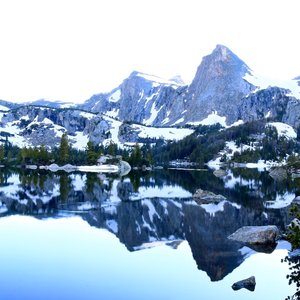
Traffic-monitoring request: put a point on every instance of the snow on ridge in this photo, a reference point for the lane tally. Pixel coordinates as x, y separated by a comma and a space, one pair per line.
262, 82
159, 80
284, 129
115, 96
211, 119
87, 115
167, 133
4, 108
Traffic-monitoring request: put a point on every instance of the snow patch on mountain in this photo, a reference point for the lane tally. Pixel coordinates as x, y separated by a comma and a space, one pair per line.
284, 130
262, 82
153, 114
4, 108
166, 133
16, 138
87, 115
156, 81
115, 97
113, 113
79, 141
211, 119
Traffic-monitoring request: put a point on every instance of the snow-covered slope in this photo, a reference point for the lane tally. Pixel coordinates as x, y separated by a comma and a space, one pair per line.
262, 82
284, 130
36, 126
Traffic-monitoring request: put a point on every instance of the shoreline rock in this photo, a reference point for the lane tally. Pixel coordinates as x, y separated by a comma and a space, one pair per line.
256, 235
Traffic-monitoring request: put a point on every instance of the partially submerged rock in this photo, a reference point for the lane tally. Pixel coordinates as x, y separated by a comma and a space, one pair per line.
248, 284
203, 197
256, 235
278, 174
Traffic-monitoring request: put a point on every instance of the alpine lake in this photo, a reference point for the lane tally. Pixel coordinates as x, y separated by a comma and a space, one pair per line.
141, 236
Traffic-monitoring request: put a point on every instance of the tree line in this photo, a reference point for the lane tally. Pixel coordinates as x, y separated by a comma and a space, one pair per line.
66, 154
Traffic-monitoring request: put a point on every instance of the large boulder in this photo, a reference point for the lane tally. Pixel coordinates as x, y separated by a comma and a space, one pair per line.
203, 197
256, 235
248, 284
278, 174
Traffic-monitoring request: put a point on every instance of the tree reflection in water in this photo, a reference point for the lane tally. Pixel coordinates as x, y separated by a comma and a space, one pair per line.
293, 259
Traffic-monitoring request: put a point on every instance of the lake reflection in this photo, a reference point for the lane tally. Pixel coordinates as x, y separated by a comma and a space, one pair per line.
86, 220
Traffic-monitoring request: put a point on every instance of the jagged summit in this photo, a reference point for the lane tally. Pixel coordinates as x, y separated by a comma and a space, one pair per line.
218, 86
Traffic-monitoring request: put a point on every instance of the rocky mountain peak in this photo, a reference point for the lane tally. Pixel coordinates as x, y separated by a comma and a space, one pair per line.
218, 85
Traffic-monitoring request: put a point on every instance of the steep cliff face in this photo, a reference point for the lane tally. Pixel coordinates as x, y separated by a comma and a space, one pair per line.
140, 98
218, 86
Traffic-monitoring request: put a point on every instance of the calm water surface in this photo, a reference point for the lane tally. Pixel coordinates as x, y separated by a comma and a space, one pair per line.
93, 236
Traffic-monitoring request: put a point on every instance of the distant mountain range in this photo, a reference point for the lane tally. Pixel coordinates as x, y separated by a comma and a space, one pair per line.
225, 90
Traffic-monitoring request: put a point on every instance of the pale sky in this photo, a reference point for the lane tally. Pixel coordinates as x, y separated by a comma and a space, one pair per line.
70, 50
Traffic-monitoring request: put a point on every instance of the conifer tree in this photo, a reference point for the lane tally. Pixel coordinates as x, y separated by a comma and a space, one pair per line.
64, 149
91, 153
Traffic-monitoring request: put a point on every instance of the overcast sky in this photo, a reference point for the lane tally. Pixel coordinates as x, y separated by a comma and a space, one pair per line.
70, 50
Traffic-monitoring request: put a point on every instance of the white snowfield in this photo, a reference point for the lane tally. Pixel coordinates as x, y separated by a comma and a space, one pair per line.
262, 82
212, 119
4, 108
158, 81
166, 133
80, 139
284, 130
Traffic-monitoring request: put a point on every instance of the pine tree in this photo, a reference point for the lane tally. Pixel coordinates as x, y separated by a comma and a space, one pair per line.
2, 153
91, 153
64, 149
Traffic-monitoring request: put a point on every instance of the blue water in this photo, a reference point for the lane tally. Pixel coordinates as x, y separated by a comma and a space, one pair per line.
68, 259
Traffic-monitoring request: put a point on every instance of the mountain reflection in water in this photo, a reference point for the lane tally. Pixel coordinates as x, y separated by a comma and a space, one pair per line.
145, 210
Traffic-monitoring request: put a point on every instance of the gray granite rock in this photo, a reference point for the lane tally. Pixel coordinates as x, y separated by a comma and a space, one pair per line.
256, 235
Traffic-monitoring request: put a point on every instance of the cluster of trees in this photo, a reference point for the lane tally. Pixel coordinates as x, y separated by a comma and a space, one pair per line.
207, 141
13, 155
271, 147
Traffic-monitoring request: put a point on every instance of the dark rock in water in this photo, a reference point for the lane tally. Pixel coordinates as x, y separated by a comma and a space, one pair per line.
203, 197
278, 174
256, 235
248, 284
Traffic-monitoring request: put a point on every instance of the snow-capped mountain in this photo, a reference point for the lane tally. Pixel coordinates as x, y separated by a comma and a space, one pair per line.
142, 98
220, 91
225, 90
